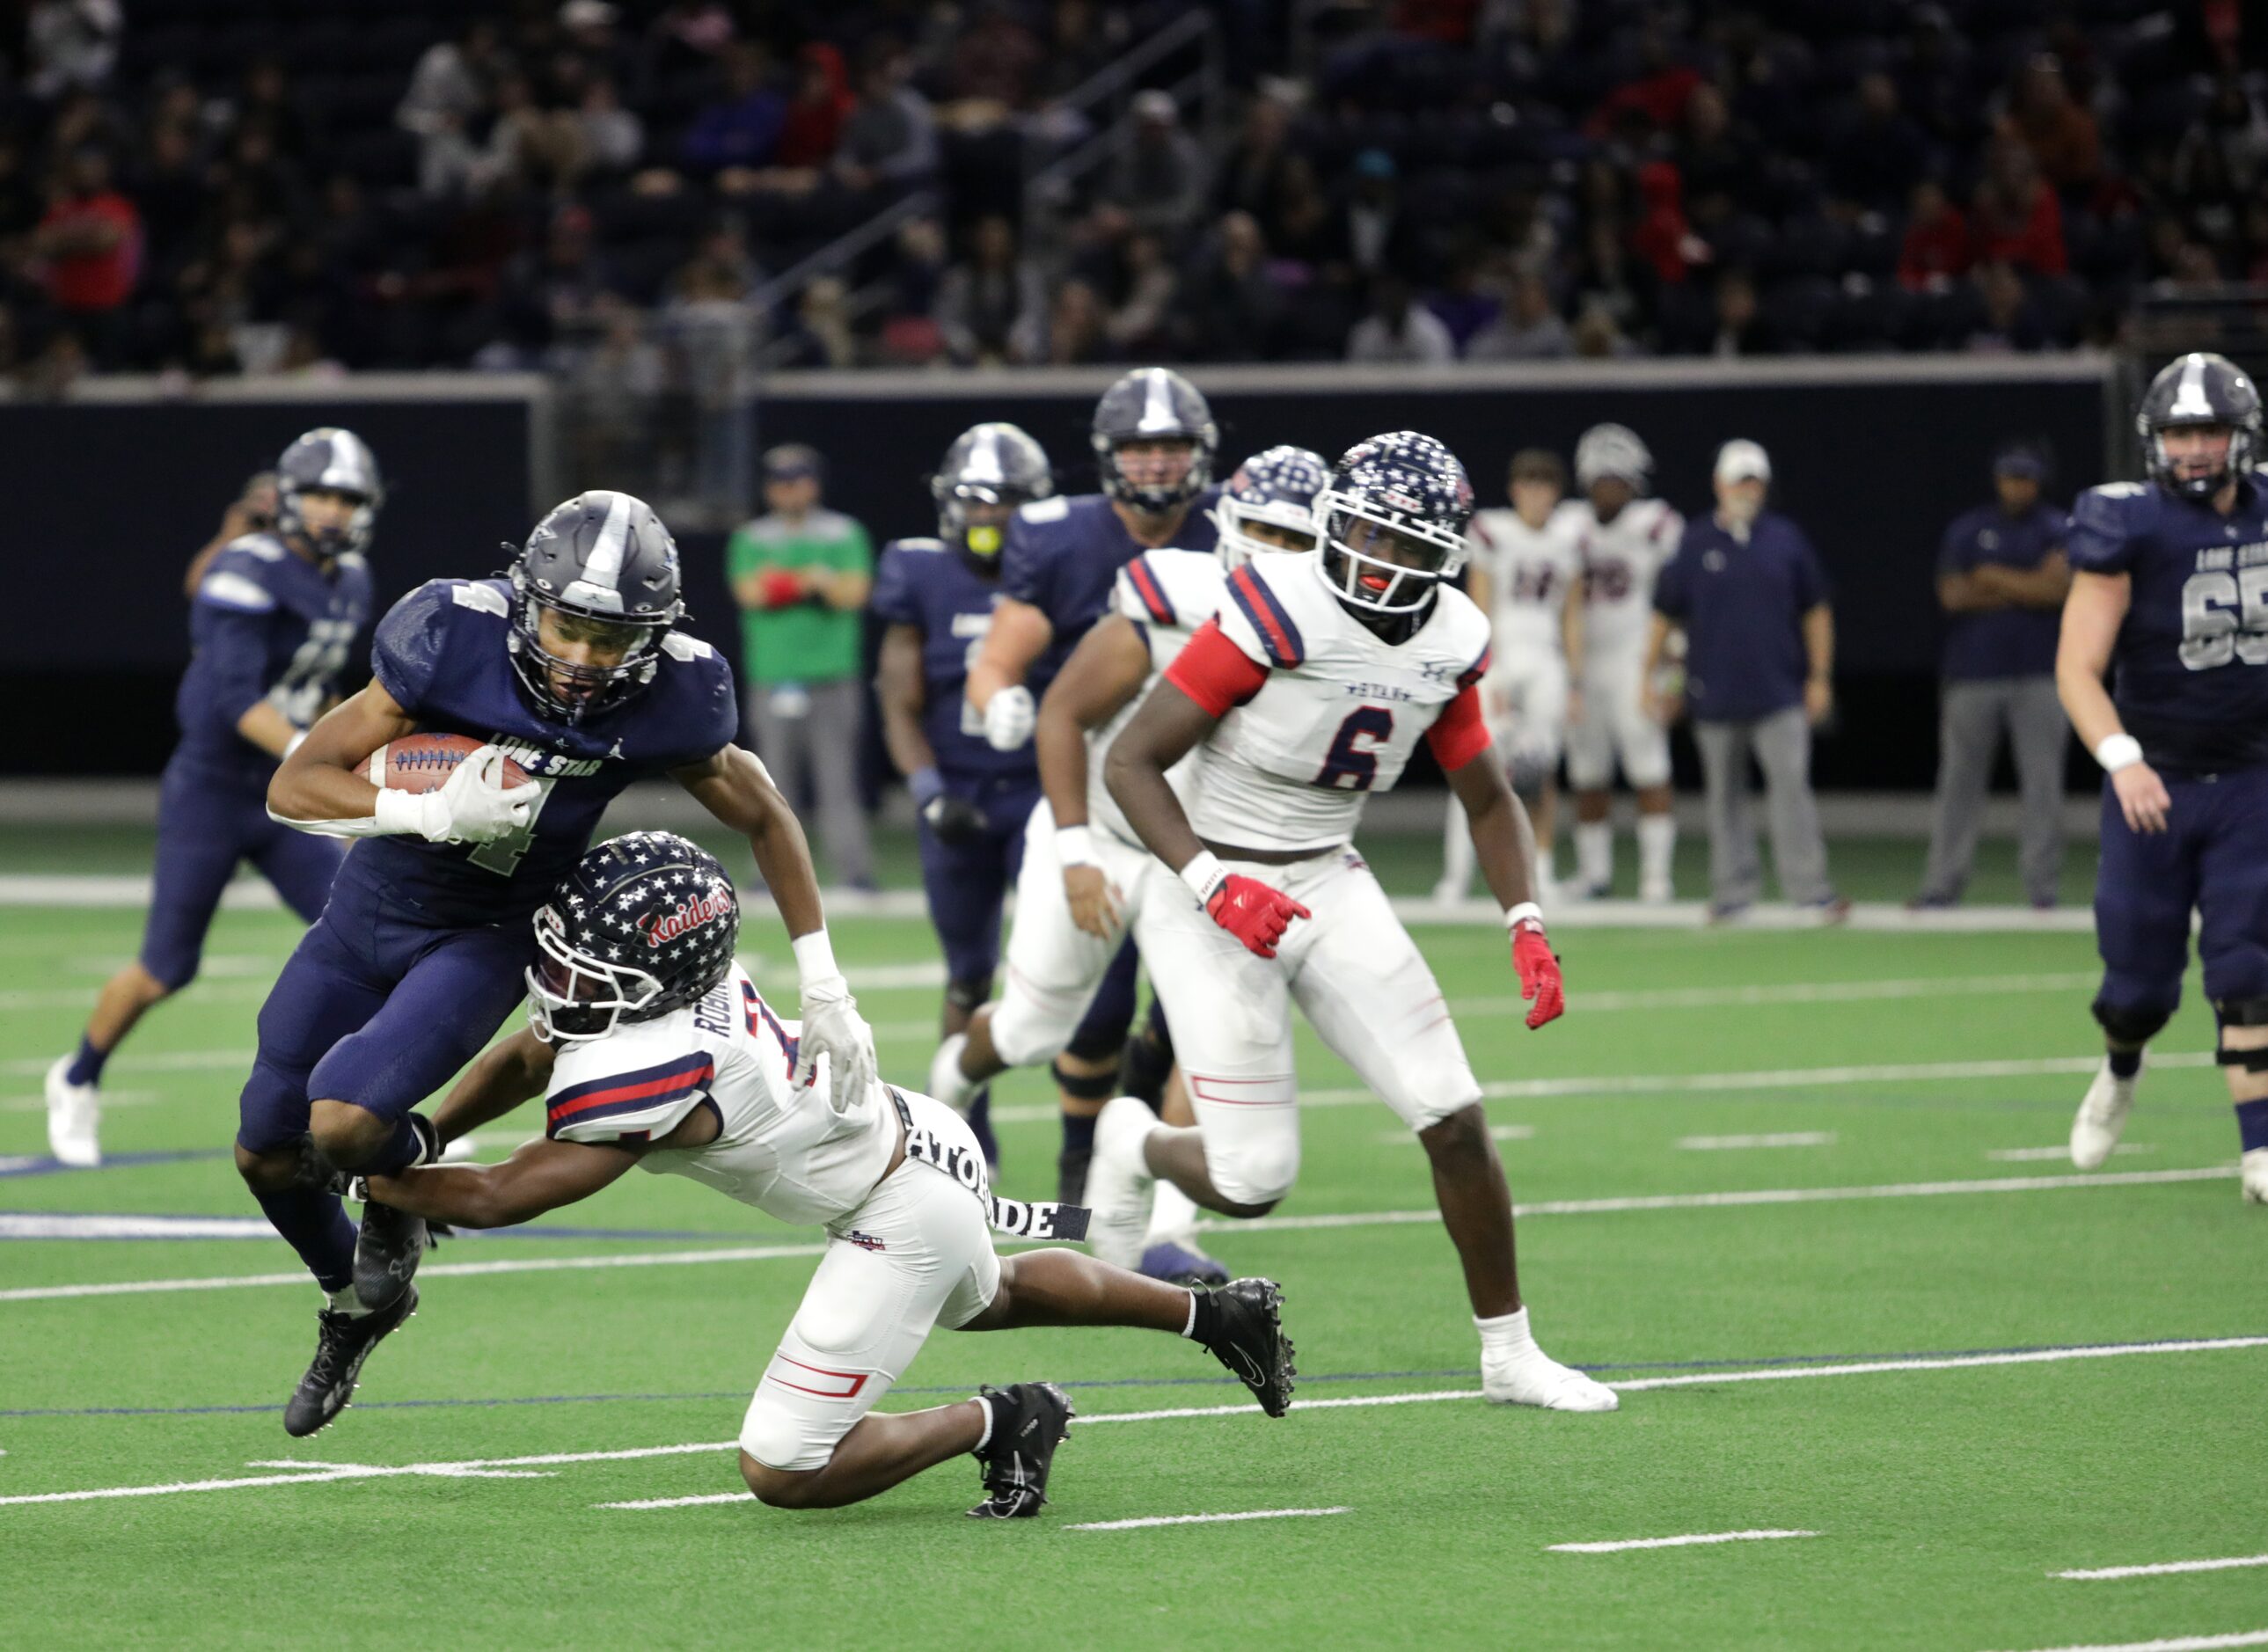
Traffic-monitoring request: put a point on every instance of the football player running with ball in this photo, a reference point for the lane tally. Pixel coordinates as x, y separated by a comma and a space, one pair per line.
572, 669
1310, 689
2169, 588
653, 1048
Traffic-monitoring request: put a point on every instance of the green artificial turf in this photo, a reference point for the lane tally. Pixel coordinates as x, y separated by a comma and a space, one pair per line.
1943, 1498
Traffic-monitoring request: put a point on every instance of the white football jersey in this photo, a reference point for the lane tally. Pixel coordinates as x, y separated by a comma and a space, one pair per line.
1620, 560
781, 1149
1530, 571
1167, 594
1339, 714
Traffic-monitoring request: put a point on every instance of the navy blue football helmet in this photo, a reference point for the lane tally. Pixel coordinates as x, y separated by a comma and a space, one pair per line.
643, 925
1394, 523
2199, 388
605, 564
1276, 488
1154, 404
327, 459
987, 465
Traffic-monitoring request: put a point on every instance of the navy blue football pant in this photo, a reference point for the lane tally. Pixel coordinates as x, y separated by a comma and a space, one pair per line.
967, 882
2212, 859
207, 823
378, 1007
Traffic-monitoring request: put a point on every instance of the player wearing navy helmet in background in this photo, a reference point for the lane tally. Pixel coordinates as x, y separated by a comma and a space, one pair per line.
2169, 593
274, 616
573, 668
1154, 441
970, 800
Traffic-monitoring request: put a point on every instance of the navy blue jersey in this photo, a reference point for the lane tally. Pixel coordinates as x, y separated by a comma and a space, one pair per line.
921, 583
440, 653
1997, 642
1062, 555
266, 624
2190, 671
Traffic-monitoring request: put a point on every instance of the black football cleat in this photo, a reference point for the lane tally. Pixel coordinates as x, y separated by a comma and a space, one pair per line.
344, 1342
1249, 1338
387, 1250
1016, 1458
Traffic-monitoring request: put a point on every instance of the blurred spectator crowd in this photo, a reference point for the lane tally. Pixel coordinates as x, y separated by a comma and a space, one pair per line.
603, 190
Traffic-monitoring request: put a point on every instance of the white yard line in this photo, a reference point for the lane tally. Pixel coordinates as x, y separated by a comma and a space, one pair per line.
1672, 1083
472, 1467
2177, 1644
1204, 1520
1780, 1138
2166, 1568
1688, 1540
2059, 1154
683, 1503
1275, 1224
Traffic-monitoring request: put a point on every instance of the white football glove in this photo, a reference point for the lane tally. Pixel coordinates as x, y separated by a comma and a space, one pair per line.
475, 805
1009, 718
833, 1027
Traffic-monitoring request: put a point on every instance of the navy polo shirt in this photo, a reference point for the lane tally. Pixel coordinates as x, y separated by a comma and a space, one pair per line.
2001, 642
1742, 604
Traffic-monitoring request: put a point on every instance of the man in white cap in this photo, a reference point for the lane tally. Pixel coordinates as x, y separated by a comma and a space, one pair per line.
1747, 589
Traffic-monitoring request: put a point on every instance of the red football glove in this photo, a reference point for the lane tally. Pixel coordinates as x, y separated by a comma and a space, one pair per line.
1539, 973
781, 589
1253, 913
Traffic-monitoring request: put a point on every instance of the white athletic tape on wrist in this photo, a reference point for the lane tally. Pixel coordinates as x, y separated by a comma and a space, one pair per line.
814, 963
1525, 912
2116, 751
1205, 875
1074, 846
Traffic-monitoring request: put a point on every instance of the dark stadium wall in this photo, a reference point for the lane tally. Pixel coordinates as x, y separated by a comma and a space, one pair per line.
1873, 462
119, 496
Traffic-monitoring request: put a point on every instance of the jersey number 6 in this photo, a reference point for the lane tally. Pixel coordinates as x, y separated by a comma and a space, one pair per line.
1352, 764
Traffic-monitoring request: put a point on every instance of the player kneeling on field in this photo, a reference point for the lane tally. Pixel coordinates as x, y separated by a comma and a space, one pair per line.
653, 1048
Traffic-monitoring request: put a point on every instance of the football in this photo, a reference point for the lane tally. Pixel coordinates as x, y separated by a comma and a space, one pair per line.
424, 762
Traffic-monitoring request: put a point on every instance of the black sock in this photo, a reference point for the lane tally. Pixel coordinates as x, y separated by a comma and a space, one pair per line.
2125, 1063
2252, 1124
1002, 1410
86, 1066
1205, 1323
1079, 1132
315, 1225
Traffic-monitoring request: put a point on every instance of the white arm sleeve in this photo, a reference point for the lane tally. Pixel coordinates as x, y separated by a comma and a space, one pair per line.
399, 814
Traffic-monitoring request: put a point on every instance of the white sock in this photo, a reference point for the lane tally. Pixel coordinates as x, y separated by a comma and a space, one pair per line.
1657, 841
1594, 852
1505, 1334
1457, 851
1173, 1215
344, 1301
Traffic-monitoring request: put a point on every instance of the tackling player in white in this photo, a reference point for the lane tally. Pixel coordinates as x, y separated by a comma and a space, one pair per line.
1310, 689
1084, 869
655, 1049
1527, 577
1625, 539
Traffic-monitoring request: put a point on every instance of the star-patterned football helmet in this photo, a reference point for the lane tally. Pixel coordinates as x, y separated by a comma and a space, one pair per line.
1274, 490
643, 925
1394, 523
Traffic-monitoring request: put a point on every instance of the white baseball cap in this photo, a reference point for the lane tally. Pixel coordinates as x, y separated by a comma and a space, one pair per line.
1741, 459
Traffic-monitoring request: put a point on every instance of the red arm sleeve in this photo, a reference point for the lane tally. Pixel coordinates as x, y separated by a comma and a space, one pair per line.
1460, 734
1215, 672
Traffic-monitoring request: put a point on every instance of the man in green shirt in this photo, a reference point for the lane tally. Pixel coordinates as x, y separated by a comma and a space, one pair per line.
801, 574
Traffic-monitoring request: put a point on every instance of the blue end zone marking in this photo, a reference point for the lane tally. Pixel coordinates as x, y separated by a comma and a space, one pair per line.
1135, 1381
43, 1165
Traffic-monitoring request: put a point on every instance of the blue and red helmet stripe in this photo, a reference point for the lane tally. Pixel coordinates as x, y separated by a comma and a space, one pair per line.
1277, 634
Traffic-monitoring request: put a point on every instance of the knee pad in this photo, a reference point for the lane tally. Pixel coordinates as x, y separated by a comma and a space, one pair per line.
2242, 1012
1255, 1172
1084, 1086
2130, 1024
773, 1435
1097, 1044
968, 995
